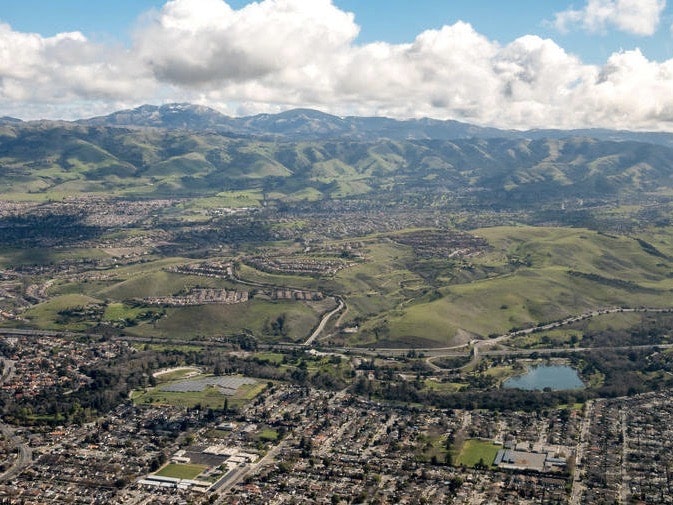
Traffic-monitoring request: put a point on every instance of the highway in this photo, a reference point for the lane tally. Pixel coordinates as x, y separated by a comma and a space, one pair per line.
478, 347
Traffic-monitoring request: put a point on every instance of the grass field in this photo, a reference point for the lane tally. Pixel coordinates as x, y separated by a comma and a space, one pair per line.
158, 283
474, 450
248, 273
178, 374
168, 347
255, 316
443, 387
44, 256
117, 311
47, 315
273, 357
228, 199
181, 471
268, 434
501, 373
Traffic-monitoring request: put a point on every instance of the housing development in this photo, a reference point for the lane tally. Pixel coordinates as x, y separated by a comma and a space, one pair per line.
293, 442
194, 315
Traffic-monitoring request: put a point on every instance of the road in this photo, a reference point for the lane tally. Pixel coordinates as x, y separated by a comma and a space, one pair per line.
24, 457
227, 482
24, 453
577, 486
316, 333
478, 347
623, 482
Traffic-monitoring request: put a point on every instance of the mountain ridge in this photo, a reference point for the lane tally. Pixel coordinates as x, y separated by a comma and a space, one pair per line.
309, 124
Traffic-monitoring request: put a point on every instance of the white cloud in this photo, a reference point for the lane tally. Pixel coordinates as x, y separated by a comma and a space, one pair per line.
277, 54
198, 42
638, 17
64, 68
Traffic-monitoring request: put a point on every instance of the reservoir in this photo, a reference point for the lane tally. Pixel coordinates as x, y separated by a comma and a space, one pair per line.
555, 377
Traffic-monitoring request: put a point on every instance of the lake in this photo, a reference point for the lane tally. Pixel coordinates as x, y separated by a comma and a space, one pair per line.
555, 377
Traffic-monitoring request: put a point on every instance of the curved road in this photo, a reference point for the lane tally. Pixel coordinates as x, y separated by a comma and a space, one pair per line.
480, 345
323, 322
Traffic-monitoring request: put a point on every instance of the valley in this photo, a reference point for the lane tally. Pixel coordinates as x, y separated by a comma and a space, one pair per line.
215, 291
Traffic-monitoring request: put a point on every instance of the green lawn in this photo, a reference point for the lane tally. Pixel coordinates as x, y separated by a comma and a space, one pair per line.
208, 398
180, 471
475, 450
443, 387
268, 435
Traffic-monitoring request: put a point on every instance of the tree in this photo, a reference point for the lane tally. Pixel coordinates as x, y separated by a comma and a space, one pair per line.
454, 484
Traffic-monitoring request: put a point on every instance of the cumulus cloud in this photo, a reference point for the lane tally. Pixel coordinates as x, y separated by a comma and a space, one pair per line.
63, 68
197, 42
638, 17
277, 54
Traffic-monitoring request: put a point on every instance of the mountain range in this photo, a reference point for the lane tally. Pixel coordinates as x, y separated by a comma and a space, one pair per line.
307, 124
305, 155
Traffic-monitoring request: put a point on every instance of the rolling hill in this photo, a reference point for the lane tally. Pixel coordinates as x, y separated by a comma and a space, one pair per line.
66, 158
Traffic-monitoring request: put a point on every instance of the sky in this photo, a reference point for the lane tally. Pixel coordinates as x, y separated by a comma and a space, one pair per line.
516, 64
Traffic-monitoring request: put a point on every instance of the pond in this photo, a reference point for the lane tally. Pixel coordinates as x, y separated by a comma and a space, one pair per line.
554, 377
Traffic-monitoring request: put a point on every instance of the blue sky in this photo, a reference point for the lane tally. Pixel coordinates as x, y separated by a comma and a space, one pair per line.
395, 21
524, 63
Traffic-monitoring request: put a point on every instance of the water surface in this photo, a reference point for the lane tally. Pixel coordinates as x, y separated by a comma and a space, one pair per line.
555, 377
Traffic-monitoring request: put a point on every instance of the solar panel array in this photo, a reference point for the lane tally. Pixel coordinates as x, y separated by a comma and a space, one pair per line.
227, 385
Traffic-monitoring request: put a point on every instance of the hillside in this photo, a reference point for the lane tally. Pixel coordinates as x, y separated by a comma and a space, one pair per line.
65, 159
425, 237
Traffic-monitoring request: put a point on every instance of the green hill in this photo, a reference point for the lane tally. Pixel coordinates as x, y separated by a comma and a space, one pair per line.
64, 158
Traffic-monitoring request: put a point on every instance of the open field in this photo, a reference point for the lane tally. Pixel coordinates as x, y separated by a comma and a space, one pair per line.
40, 256
474, 451
256, 316
181, 471
273, 357
250, 274
54, 313
159, 283
117, 311
176, 373
268, 435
